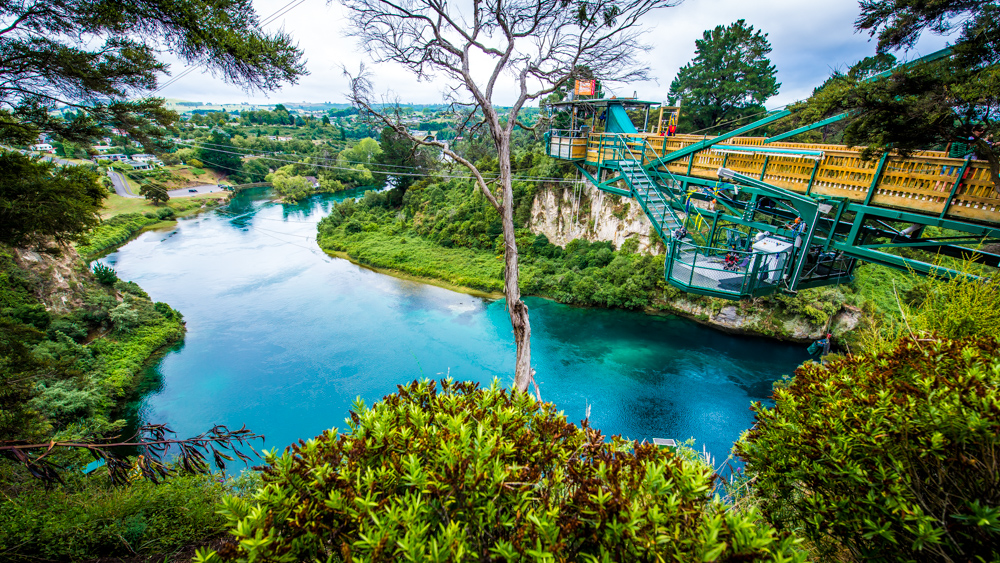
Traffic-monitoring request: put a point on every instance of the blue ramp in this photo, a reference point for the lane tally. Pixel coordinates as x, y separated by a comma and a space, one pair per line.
619, 121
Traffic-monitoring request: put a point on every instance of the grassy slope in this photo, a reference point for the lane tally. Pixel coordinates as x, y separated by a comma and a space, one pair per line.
465, 267
116, 205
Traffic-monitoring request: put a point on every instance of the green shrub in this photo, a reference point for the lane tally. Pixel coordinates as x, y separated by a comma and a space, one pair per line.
113, 232
67, 327
105, 274
891, 456
94, 520
132, 288
353, 226
470, 474
124, 318
165, 310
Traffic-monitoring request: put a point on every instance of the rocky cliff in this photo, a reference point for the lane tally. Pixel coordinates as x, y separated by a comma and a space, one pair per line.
57, 276
583, 211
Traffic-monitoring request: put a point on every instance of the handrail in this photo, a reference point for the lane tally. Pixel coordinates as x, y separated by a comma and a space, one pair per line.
666, 207
926, 182
695, 266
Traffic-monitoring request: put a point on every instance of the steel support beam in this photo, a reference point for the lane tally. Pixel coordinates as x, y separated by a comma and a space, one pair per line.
954, 189
896, 215
702, 145
898, 262
876, 177
809, 127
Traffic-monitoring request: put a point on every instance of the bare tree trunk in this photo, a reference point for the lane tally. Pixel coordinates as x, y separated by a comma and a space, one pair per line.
523, 374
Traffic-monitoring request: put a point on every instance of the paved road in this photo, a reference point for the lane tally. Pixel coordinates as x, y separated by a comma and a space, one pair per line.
120, 184
195, 190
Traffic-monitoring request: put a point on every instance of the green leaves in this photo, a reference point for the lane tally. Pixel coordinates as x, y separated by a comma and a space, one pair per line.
462, 473
890, 456
39, 201
730, 77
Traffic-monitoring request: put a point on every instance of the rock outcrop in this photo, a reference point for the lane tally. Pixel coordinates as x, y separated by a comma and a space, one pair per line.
582, 211
57, 276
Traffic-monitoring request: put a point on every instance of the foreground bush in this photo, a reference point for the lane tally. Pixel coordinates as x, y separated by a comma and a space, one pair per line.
470, 474
91, 519
892, 457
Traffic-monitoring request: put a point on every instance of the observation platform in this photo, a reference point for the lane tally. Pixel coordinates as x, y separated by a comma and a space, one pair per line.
824, 205
926, 182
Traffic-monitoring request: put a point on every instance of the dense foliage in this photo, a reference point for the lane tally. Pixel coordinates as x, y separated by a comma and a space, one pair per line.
890, 456
470, 474
729, 78
87, 518
445, 230
115, 231
94, 56
39, 201
63, 373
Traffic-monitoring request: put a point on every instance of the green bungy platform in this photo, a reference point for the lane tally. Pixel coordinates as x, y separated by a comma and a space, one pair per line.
745, 240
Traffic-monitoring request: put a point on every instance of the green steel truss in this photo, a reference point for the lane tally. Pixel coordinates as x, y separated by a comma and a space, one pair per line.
743, 237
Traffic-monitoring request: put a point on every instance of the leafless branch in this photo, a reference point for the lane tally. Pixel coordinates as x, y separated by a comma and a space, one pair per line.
153, 444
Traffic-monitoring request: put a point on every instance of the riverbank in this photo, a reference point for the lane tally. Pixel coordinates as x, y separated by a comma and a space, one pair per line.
442, 245
732, 317
415, 278
126, 218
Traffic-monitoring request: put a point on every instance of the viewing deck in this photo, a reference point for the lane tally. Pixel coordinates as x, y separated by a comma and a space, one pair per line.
928, 183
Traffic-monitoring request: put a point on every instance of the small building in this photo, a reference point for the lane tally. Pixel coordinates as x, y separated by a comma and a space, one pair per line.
43, 147
313, 181
102, 148
148, 158
136, 165
116, 157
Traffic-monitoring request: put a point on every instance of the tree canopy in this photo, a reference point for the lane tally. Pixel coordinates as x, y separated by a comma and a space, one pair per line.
730, 77
952, 101
99, 56
40, 201
219, 153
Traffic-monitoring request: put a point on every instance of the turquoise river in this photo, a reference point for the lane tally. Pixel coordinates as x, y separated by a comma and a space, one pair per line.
283, 338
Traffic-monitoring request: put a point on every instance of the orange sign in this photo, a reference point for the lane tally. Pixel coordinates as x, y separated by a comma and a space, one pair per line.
585, 87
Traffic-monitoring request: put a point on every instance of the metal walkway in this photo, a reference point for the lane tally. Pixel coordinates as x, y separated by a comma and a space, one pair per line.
789, 216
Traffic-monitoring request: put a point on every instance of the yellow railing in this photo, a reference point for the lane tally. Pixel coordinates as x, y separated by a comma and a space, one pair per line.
921, 182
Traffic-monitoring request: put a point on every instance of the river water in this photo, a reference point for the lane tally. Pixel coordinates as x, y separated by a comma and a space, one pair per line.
283, 338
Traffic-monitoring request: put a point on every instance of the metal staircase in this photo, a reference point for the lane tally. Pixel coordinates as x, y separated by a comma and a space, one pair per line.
658, 209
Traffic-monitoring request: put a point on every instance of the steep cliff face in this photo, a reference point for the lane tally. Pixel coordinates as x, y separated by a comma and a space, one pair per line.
58, 278
583, 211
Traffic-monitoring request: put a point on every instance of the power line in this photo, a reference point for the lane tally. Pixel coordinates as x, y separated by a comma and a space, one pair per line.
263, 153
414, 174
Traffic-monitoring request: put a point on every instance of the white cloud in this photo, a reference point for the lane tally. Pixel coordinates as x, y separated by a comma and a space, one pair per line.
810, 40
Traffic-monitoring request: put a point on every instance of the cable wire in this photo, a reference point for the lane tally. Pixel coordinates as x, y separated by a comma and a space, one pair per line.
414, 175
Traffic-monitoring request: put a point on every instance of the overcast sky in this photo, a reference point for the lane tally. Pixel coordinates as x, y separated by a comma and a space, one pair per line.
811, 38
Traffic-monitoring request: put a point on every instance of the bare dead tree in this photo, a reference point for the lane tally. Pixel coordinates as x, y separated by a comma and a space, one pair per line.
476, 44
